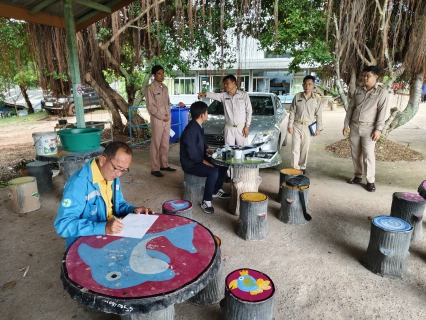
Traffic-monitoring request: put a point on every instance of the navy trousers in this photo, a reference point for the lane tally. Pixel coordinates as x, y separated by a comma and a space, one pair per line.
215, 177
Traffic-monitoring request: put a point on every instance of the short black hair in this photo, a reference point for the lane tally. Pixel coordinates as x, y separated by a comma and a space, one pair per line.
373, 69
156, 68
112, 148
197, 109
230, 77
309, 78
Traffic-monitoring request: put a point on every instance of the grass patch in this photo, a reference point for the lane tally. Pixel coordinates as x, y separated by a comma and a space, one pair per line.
23, 120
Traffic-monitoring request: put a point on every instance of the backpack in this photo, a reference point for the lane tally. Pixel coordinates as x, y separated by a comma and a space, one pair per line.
301, 181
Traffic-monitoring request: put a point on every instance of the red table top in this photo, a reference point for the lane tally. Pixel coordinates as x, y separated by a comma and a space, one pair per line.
173, 253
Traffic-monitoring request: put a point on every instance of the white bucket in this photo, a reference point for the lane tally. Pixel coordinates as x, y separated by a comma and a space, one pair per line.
45, 143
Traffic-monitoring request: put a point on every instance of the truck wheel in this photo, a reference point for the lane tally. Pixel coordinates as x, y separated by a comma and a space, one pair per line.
71, 110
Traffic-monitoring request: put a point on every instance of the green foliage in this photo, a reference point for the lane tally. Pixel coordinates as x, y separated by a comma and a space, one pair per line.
103, 33
301, 31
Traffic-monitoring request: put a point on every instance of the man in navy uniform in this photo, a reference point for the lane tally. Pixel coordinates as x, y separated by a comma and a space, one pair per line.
195, 160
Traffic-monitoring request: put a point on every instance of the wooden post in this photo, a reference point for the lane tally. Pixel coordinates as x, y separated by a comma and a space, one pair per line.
179, 207
43, 174
214, 291
242, 301
286, 174
422, 189
193, 188
291, 206
387, 250
24, 195
252, 224
409, 207
164, 314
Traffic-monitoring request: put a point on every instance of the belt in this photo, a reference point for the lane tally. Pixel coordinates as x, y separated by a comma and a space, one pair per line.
363, 123
236, 125
302, 122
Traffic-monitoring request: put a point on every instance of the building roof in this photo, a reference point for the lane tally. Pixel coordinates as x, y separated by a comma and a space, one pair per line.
51, 12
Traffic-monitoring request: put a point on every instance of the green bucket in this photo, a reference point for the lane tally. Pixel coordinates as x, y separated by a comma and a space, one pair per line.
81, 139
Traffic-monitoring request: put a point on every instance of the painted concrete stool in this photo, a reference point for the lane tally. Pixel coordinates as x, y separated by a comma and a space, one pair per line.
24, 194
286, 174
409, 207
249, 294
179, 207
292, 207
42, 172
387, 250
422, 189
193, 188
252, 224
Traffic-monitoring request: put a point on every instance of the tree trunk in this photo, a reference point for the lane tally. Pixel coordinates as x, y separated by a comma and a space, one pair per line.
286, 174
193, 188
116, 118
27, 99
291, 205
402, 117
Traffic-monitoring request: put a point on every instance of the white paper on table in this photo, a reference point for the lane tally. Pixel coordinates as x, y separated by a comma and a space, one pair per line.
172, 133
136, 225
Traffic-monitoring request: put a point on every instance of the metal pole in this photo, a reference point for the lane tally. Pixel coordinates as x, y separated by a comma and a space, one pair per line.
74, 64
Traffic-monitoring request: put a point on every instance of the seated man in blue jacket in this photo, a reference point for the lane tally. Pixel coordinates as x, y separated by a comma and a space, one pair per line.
194, 159
89, 205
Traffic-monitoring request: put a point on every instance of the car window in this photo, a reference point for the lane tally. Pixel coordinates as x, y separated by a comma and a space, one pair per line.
262, 106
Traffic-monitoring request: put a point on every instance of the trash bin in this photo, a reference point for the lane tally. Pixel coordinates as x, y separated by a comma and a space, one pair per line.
179, 116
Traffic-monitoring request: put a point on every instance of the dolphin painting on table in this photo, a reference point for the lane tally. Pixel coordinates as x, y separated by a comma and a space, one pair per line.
126, 262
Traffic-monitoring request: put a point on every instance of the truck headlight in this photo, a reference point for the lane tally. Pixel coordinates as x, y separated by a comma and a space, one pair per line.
264, 136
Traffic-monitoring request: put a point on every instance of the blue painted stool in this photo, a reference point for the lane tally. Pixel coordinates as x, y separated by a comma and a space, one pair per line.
387, 250
179, 207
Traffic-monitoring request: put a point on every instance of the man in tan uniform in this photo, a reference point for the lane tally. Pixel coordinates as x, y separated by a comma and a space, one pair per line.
158, 105
305, 109
365, 118
237, 109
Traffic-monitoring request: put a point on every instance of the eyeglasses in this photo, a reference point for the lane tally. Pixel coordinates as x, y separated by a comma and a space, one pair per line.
117, 170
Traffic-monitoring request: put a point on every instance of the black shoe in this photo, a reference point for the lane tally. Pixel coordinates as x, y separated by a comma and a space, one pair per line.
207, 207
228, 180
303, 171
168, 169
222, 195
355, 180
157, 174
371, 187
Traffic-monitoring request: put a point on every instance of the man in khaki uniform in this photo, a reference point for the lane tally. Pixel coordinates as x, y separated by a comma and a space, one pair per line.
365, 118
158, 105
237, 109
305, 109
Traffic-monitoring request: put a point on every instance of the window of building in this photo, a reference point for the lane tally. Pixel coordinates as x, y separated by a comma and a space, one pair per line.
183, 86
261, 84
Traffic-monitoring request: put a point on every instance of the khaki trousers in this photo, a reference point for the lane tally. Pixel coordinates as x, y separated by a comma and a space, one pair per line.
300, 146
362, 148
234, 136
160, 135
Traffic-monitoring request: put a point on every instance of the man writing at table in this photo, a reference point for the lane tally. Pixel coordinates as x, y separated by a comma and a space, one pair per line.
89, 204
194, 159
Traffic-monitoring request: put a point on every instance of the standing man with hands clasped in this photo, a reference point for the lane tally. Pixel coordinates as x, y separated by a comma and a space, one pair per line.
237, 109
89, 204
305, 109
158, 105
365, 118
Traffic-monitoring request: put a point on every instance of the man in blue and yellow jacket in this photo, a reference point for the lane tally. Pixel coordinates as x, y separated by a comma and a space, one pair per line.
89, 204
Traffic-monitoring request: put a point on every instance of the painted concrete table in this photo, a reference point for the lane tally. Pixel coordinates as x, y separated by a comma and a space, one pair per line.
244, 177
142, 278
70, 161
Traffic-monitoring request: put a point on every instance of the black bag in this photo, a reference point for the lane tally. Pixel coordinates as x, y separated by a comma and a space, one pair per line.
301, 181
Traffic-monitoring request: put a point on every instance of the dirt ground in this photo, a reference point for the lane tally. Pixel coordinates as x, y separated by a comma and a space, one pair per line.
316, 268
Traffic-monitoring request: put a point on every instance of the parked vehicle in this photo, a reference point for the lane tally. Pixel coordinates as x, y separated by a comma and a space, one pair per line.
269, 122
65, 105
286, 100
